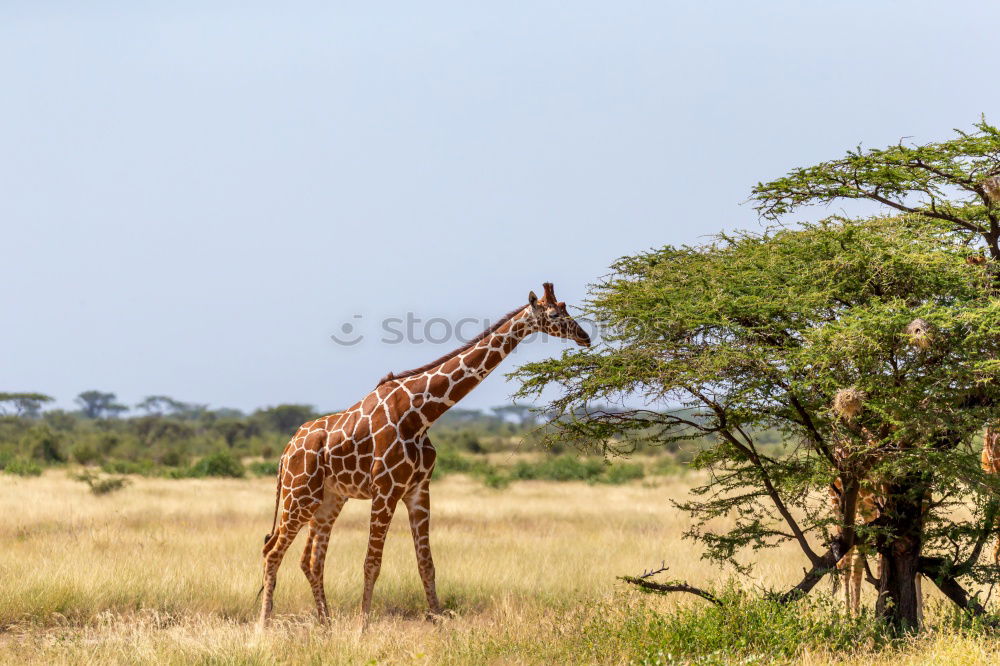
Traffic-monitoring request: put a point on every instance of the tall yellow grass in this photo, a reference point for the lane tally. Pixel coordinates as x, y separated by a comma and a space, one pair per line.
166, 571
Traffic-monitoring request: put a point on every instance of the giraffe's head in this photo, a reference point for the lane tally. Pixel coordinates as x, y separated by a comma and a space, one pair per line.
550, 316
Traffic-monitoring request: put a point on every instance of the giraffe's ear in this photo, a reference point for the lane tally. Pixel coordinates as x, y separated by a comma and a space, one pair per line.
532, 299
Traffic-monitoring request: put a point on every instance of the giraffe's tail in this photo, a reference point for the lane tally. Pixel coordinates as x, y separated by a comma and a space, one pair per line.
272, 536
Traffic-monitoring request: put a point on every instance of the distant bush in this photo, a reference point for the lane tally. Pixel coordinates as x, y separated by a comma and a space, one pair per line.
263, 467
494, 478
623, 472
220, 463
84, 453
43, 445
450, 461
102, 486
668, 466
560, 468
173, 439
170, 458
23, 467
142, 467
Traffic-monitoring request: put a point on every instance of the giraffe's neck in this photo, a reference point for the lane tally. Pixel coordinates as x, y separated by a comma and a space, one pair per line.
991, 450
451, 380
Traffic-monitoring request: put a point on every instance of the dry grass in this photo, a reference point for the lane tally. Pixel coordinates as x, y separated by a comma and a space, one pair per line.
166, 571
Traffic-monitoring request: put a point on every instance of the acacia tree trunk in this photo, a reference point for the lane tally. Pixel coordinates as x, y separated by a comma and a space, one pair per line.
902, 518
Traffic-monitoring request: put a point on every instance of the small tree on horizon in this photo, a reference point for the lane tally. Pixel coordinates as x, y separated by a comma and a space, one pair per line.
100, 405
27, 405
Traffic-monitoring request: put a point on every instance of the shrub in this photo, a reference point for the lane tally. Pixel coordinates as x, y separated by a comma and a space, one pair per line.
468, 441
43, 444
667, 466
264, 467
170, 458
104, 486
494, 478
220, 463
84, 453
23, 467
623, 472
450, 461
142, 468
560, 468
743, 630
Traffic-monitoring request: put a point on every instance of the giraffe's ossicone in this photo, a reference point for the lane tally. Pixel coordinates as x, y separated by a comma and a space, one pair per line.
378, 449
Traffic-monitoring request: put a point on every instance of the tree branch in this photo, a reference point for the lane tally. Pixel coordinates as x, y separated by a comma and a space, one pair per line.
671, 587
935, 569
826, 564
668, 587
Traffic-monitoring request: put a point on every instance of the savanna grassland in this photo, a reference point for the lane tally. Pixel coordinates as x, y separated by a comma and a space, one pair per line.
165, 571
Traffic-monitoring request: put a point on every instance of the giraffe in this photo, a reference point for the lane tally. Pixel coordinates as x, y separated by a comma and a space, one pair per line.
852, 564
991, 465
848, 403
847, 406
378, 449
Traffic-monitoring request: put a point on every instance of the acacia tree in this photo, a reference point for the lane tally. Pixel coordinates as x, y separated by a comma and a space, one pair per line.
28, 405
956, 182
99, 405
758, 332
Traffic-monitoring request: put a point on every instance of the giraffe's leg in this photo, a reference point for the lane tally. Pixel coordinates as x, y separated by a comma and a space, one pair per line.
856, 571
418, 506
844, 569
314, 554
920, 599
383, 506
274, 551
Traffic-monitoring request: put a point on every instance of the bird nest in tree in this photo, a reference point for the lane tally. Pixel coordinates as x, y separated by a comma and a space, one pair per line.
847, 403
919, 333
991, 186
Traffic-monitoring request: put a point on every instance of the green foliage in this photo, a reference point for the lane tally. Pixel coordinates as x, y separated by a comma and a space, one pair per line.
623, 472
23, 467
44, 445
954, 182
141, 468
84, 453
743, 630
220, 463
171, 434
102, 485
27, 405
755, 333
100, 405
561, 468
558, 468
286, 418
450, 461
263, 467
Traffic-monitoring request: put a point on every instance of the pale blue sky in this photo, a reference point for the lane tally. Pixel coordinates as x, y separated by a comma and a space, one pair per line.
195, 195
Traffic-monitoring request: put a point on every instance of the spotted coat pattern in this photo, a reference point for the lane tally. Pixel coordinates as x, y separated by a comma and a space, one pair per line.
991, 465
378, 449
